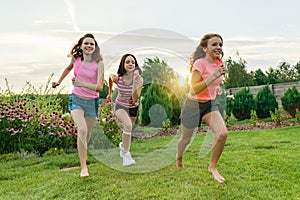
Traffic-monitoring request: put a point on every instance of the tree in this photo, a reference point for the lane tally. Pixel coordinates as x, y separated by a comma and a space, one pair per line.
291, 101
272, 76
161, 92
265, 102
297, 71
260, 77
243, 104
157, 71
159, 104
237, 75
285, 72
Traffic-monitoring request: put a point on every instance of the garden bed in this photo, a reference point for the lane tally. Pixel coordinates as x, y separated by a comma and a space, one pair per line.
235, 127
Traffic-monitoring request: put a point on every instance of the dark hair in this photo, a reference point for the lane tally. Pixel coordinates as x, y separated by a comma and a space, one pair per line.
121, 71
76, 51
199, 52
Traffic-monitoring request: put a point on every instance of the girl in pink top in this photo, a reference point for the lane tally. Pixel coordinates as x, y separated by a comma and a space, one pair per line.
88, 81
129, 83
207, 69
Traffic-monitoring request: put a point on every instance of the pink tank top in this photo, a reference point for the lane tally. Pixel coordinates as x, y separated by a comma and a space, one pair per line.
88, 74
206, 69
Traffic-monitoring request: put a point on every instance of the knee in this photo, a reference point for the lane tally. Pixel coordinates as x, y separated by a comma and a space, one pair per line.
127, 127
82, 131
223, 135
185, 141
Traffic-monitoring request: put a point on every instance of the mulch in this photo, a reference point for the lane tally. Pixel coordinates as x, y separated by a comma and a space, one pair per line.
235, 127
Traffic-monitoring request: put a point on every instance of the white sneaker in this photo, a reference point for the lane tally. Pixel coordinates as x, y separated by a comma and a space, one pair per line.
127, 159
122, 151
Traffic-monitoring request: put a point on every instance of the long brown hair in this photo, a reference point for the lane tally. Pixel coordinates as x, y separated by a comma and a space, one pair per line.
121, 70
76, 51
199, 52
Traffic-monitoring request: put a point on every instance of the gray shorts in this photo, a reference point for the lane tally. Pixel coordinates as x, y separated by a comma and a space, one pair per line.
89, 106
193, 111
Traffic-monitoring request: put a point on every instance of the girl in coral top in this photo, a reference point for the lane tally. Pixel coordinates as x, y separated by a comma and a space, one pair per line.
207, 69
88, 80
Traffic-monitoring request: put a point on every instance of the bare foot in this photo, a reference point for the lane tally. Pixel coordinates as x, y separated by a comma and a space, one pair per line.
216, 175
179, 163
84, 173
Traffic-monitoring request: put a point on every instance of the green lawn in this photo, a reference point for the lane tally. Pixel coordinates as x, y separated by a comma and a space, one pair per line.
256, 164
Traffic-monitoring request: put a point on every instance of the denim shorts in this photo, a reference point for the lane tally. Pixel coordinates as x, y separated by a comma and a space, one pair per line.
132, 112
193, 111
88, 105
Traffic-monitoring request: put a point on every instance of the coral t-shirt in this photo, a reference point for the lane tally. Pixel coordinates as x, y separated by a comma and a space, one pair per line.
206, 69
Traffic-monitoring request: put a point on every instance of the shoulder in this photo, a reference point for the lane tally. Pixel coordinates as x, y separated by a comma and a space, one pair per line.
73, 60
198, 65
100, 64
199, 61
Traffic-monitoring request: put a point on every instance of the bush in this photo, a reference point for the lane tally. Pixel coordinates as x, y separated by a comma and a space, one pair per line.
276, 117
159, 104
32, 121
253, 117
297, 115
265, 102
229, 105
108, 124
291, 101
243, 104
166, 124
24, 127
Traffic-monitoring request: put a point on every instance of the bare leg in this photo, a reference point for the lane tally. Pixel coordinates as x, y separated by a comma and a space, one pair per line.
78, 116
127, 127
90, 125
133, 119
185, 139
216, 122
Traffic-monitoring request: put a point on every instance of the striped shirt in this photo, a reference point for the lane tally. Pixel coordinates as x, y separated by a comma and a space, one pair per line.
124, 97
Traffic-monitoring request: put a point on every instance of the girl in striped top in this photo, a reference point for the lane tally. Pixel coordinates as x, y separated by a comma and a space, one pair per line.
129, 83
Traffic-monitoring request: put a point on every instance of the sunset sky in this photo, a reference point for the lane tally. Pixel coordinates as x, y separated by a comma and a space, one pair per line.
36, 35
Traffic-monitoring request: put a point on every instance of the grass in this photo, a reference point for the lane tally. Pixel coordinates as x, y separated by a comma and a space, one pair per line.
260, 164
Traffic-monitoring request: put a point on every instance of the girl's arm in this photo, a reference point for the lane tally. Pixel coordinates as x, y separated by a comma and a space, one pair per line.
137, 86
197, 86
64, 73
112, 79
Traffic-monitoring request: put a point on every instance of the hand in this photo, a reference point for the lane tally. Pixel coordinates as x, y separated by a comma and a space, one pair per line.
76, 82
137, 79
108, 98
219, 90
55, 84
221, 70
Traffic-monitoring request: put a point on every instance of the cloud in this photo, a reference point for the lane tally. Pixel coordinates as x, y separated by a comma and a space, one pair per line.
71, 10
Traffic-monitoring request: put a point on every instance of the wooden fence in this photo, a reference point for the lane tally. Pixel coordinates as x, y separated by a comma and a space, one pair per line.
277, 89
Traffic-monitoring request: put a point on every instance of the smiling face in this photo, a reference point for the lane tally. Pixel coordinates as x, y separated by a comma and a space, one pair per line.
129, 64
88, 46
214, 48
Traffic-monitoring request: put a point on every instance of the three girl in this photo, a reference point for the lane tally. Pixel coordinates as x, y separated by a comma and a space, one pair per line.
206, 67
